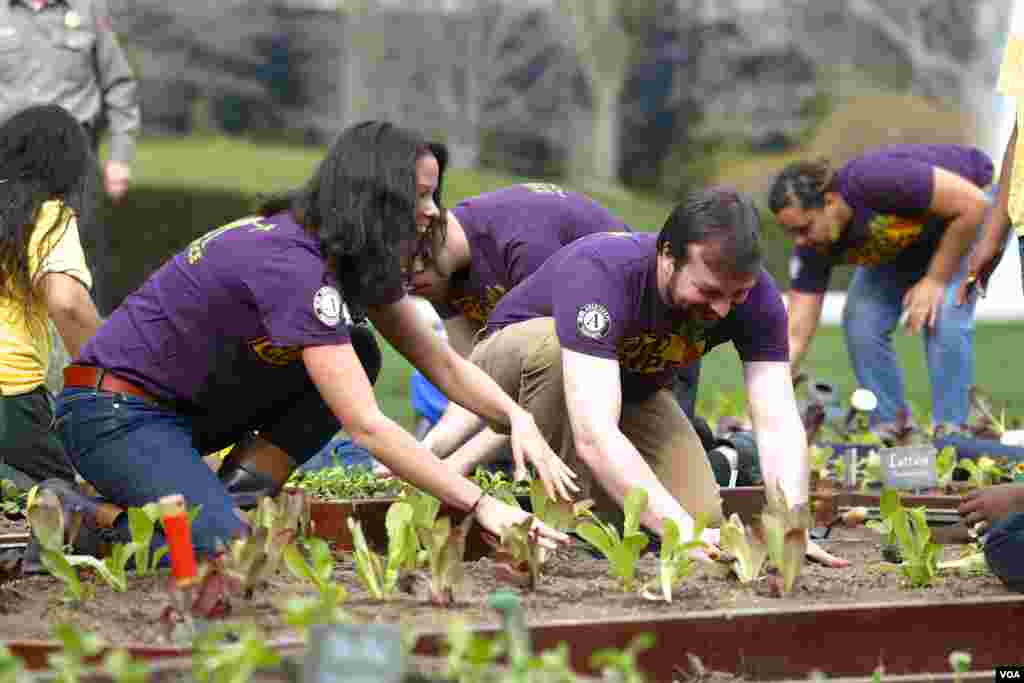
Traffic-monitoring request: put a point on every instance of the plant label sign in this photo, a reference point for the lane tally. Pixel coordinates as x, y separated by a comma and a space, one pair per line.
909, 467
354, 653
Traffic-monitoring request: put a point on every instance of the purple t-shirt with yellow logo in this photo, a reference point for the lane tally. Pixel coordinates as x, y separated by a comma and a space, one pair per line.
511, 232
890, 192
258, 282
602, 292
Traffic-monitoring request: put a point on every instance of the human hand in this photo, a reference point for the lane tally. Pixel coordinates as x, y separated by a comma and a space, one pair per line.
529, 445
991, 503
116, 175
921, 304
495, 517
816, 553
980, 264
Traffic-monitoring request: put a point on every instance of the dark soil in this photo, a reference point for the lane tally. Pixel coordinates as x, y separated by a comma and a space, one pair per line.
575, 587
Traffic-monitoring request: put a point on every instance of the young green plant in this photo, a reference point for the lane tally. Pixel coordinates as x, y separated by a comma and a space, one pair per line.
909, 527
622, 552
381, 576
785, 532
675, 562
46, 518
316, 565
77, 647
225, 655
142, 522
741, 543
445, 546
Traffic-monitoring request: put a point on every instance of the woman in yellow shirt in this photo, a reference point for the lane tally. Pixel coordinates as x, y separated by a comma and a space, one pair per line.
45, 166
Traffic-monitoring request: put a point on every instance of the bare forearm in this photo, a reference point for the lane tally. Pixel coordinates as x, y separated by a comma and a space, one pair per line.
619, 467
784, 459
955, 244
480, 450
76, 325
385, 439
454, 428
997, 227
471, 387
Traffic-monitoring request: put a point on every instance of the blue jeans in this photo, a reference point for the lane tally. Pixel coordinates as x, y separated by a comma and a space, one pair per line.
339, 451
134, 452
1004, 550
874, 303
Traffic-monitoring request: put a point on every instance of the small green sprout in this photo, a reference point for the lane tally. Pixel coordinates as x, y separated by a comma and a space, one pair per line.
749, 551
225, 655
675, 562
623, 664
445, 546
142, 522
785, 531
912, 534
622, 552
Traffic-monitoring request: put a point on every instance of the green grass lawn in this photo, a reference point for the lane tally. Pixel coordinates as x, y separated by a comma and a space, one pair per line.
220, 165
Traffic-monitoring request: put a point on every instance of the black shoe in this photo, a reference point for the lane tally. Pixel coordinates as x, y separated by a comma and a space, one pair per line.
96, 532
246, 487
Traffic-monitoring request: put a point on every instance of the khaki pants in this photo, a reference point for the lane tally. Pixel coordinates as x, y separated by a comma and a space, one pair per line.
525, 359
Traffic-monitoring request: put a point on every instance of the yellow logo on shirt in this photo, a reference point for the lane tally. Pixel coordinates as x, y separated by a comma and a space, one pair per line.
256, 223
275, 355
478, 311
648, 353
888, 235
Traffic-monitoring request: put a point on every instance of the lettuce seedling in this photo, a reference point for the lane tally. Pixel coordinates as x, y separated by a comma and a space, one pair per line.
468, 655
675, 562
445, 546
12, 668
46, 518
912, 534
522, 549
973, 564
562, 515
749, 551
224, 655
622, 665
622, 553
318, 569
381, 576
77, 647
983, 472
124, 668
945, 465
785, 533
142, 522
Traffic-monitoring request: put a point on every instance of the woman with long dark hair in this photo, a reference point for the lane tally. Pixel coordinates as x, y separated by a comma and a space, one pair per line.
244, 337
45, 167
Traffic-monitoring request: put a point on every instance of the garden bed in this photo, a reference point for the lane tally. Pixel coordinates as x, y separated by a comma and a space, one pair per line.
577, 589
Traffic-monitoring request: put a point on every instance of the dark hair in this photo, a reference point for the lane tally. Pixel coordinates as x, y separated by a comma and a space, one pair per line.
44, 154
806, 181
361, 203
720, 215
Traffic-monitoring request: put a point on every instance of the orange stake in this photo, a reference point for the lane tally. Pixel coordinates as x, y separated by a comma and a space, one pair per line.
179, 539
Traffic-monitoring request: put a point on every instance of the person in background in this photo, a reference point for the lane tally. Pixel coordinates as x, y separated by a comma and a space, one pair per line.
66, 53
45, 163
249, 327
906, 215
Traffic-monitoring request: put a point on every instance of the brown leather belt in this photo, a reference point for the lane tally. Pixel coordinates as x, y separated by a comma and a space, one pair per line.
101, 379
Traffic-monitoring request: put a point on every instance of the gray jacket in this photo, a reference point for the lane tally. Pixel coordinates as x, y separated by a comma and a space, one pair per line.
67, 54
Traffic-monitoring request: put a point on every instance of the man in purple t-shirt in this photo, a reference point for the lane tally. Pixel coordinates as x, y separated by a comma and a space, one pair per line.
490, 244
906, 215
588, 345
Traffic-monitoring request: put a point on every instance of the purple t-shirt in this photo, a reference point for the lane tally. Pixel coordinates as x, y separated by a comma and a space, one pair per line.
257, 281
602, 292
889, 191
511, 232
